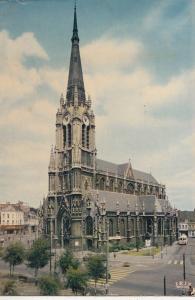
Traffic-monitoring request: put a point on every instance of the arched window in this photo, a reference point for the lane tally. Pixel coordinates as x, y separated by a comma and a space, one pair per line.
151, 189
122, 227
149, 226
159, 227
83, 135
130, 188
145, 189
111, 185
88, 137
141, 226
69, 135
89, 225
102, 184
111, 228
64, 135
120, 187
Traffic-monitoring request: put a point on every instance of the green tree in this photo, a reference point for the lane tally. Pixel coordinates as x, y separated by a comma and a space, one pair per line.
77, 280
49, 285
38, 256
14, 255
66, 261
96, 268
9, 288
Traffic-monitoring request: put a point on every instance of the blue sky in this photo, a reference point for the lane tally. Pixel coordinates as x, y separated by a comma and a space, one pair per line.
138, 64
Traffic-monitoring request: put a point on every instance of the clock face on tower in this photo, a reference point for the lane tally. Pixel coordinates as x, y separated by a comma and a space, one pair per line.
85, 120
66, 119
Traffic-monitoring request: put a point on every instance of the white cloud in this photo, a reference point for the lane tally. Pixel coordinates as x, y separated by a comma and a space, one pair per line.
130, 95
35, 118
18, 80
110, 53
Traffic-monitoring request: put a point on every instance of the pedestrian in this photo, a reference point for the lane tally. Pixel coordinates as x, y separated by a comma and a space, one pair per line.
190, 290
106, 288
114, 255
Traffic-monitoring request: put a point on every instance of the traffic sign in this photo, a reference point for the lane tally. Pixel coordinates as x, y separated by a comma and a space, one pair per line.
182, 284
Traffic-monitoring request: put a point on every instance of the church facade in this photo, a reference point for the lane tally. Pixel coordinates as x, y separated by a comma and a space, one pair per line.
91, 200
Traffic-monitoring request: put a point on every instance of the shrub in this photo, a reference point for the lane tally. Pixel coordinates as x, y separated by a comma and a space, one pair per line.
77, 280
9, 288
66, 261
48, 285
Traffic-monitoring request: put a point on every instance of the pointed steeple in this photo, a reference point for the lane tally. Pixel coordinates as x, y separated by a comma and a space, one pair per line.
75, 36
75, 77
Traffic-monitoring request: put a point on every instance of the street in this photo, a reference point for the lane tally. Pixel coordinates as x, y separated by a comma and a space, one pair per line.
144, 275
148, 275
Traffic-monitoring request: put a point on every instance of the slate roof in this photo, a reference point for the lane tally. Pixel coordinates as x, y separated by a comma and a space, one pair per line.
106, 166
149, 203
9, 208
143, 176
111, 199
186, 215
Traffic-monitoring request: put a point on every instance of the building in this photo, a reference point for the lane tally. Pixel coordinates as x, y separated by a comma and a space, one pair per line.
11, 216
186, 223
18, 221
89, 197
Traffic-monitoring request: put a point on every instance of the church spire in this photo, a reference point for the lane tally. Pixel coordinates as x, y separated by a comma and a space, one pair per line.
75, 36
75, 77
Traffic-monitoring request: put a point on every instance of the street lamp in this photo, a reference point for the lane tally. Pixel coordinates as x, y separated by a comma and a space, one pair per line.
107, 256
137, 224
50, 208
105, 238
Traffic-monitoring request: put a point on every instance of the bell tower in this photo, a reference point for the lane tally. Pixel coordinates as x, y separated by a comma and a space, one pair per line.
72, 161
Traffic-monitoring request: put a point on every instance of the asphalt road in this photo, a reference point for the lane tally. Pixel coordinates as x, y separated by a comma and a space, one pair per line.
148, 280
148, 273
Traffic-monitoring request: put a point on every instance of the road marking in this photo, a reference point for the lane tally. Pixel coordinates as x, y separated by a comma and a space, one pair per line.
175, 262
116, 275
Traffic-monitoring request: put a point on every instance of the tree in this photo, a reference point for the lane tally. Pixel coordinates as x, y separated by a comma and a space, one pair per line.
38, 256
9, 288
96, 268
77, 280
48, 286
66, 261
14, 255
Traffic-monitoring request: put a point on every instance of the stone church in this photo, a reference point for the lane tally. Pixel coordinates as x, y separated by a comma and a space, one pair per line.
91, 200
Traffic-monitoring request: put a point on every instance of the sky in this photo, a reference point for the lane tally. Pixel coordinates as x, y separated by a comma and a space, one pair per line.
138, 60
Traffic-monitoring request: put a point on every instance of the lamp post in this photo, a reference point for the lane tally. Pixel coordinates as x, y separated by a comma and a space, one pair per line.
50, 208
128, 221
137, 225
62, 234
105, 238
55, 263
155, 225
107, 256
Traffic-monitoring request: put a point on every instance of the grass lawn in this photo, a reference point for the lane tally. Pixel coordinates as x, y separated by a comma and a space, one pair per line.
143, 252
